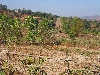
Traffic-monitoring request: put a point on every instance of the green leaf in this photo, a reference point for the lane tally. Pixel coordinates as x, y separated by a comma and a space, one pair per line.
2, 73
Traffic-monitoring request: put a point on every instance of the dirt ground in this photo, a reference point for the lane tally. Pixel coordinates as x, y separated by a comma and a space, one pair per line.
54, 56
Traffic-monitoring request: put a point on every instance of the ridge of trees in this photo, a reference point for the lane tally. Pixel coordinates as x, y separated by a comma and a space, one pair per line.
18, 13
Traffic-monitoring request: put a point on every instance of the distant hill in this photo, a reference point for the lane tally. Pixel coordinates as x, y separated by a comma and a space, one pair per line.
96, 17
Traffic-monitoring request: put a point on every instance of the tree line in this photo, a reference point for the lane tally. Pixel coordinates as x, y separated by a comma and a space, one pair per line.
19, 13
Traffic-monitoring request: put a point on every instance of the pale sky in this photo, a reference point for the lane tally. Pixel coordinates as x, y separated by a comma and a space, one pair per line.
57, 7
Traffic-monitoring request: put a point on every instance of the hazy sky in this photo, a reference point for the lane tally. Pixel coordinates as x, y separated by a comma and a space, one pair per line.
57, 7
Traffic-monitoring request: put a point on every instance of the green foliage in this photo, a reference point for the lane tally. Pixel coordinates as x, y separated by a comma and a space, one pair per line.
35, 68
16, 31
27, 61
31, 24
2, 73
10, 29
72, 26
6, 68
91, 27
4, 28
3, 7
46, 31
39, 32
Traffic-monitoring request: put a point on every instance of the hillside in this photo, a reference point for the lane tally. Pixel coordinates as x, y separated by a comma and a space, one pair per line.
93, 18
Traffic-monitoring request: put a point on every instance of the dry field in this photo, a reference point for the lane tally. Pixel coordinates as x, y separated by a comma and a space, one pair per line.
81, 56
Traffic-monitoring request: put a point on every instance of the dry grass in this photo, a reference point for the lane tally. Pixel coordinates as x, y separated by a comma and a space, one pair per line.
54, 57
84, 54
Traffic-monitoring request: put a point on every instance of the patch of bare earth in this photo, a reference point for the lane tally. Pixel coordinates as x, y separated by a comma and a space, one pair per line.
54, 59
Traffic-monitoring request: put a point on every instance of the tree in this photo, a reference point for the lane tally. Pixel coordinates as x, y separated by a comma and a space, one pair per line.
29, 12
16, 31
86, 24
19, 11
10, 30
46, 30
39, 32
23, 11
3, 7
31, 24
72, 26
4, 27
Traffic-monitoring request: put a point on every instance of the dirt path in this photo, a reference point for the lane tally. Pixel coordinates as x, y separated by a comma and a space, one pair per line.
58, 23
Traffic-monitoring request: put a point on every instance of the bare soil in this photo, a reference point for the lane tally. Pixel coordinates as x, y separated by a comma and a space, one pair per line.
54, 56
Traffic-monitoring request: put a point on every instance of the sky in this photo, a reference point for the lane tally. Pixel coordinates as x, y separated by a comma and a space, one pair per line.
65, 8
